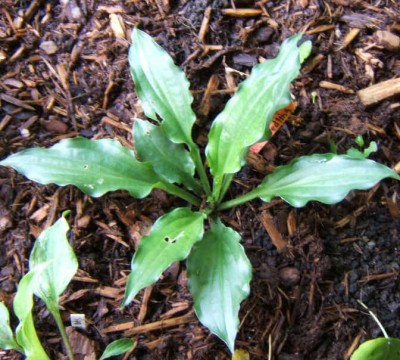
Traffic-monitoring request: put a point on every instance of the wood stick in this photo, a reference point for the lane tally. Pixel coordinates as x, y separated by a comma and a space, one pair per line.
204, 24
333, 86
162, 324
378, 92
320, 29
242, 12
130, 329
273, 232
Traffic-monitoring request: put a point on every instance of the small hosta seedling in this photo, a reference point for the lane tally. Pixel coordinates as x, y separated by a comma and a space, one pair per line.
52, 265
219, 271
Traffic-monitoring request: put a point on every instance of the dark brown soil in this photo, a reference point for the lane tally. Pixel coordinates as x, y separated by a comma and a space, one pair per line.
63, 72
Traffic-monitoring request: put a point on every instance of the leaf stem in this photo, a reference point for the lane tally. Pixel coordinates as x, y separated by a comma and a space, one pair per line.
177, 191
239, 200
194, 184
194, 150
225, 185
57, 317
375, 318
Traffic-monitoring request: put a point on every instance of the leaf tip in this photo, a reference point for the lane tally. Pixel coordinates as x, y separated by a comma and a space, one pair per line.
130, 293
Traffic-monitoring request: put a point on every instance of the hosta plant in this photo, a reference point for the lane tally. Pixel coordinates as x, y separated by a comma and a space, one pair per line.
166, 157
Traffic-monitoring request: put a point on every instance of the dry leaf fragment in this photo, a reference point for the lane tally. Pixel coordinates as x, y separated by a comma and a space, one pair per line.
55, 125
361, 21
273, 232
388, 40
280, 117
72, 11
82, 346
117, 25
350, 36
49, 47
303, 3
368, 58
3, 56
14, 83
342, 2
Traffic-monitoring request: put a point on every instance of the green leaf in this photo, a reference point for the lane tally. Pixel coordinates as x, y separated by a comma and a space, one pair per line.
246, 117
170, 240
219, 275
357, 154
305, 50
323, 177
359, 140
52, 247
7, 340
117, 347
94, 166
28, 339
162, 87
23, 303
378, 349
171, 161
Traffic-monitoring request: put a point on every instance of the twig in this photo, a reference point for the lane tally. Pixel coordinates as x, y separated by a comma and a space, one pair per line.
376, 93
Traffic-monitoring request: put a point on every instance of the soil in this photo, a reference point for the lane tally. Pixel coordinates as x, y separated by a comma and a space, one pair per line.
64, 72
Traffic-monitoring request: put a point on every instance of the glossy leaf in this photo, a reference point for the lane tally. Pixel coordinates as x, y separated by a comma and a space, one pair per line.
327, 178
246, 117
219, 275
94, 166
117, 347
170, 240
52, 247
162, 87
378, 349
171, 161
23, 303
7, 340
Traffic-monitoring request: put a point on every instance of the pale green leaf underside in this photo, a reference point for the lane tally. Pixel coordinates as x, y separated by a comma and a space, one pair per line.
162, 87
7, 340
326, 178
170, 240
378, 349
52, 247
170, 161
219, 275
94, 166
247, 115
117, 347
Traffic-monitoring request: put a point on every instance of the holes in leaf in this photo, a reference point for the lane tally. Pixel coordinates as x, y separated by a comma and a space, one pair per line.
85, 167
169, 240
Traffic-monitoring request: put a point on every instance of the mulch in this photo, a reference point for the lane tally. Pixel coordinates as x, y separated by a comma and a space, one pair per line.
64, 72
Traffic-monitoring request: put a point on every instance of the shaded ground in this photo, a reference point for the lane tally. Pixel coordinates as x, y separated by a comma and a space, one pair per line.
64, 72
